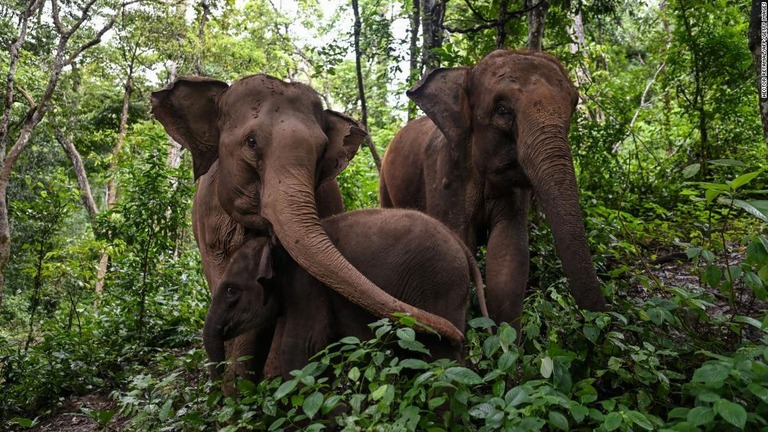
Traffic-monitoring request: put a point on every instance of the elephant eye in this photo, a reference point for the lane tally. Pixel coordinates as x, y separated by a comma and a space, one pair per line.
231, 291
251, 141
501, 109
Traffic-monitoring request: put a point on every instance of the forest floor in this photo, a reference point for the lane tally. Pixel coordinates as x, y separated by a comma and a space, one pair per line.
673, 270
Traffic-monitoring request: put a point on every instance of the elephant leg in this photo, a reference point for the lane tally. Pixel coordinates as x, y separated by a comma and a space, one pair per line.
507, 258
272, 366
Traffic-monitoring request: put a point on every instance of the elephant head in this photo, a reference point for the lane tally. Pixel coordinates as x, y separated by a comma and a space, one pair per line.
274, 145
510, 115
242, 301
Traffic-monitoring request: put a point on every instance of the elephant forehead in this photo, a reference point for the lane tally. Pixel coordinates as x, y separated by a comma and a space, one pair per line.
516, 69
258, 95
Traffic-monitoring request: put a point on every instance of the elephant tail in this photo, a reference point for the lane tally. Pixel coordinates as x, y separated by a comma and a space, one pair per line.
478, 278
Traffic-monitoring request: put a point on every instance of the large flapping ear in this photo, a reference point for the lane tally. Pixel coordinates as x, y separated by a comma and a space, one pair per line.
187, 110
442, 95
345, 135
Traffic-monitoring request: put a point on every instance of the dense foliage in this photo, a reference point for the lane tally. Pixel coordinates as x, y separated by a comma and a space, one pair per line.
671, 164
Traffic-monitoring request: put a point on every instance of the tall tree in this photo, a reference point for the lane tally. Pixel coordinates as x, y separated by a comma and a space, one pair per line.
414, 68
432, 17
73, 37
537, 15
360, 84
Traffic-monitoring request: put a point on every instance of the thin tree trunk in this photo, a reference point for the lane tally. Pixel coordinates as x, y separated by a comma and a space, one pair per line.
414, 67
432, 16
361, 86
111, 185
82, 177
501, 24
758, 41
536, 18
205, 10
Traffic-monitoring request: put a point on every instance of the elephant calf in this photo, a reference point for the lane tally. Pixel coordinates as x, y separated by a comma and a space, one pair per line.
410, 255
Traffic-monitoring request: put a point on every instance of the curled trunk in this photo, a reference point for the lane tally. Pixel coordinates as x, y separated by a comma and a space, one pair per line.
289, 204
213, 340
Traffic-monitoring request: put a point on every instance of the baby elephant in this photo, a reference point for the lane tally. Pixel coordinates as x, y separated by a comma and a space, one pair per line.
410, 255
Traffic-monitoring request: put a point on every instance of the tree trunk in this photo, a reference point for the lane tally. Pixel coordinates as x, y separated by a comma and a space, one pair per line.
198, 62
432, 16
414, 67
82, 177
111, 186
501, 24
361, 86
758, 43
536, 19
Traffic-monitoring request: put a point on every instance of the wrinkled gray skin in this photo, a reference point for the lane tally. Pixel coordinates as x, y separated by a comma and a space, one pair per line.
495, 134
408, 254
261, 149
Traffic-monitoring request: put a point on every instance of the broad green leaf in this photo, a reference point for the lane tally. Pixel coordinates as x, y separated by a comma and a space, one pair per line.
612, 421
639, 419
507, 360
711, 194
757, 208
463, 375
407, 334
733, 413
547, 366
712, 275
482, 410
743, 179
379, 392
700, 415
691, 170
759, 391
285, 388
414, 364
711, 373
312, 404
516, 396
726, 162
481, 322
558, 420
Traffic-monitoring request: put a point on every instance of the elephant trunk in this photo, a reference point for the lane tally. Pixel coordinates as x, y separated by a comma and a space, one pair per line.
289, 204
213, 340
549, 167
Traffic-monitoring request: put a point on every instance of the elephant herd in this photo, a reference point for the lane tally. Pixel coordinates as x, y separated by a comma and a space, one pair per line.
290, 272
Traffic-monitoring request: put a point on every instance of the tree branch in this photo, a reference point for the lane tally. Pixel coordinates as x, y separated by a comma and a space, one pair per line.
82, 177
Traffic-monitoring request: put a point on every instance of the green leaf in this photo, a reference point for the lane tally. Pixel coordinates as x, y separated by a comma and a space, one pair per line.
547, 366
711, 194
24, 422
558, 420
406, 334
759, 391
712, 276
312, 404
726, 162
414, 364
733, 413
483, 410
757, 208
507, 360
700, 415
379, 392
743, 179
354, 374
481, 322
463, 375
285, 388
711, 373
640, 419
691, 170
436, 402
612, 421
516, 396
350, 340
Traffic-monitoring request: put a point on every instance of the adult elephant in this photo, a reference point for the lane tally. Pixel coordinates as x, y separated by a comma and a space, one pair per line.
260, 149
494, 134
432, 269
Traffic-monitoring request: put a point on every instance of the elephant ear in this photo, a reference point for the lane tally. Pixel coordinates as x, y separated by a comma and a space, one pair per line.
442, 95
345, 135
187, 110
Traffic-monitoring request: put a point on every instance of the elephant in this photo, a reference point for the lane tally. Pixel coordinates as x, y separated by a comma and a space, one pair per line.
410, 255
494, 135
265, 156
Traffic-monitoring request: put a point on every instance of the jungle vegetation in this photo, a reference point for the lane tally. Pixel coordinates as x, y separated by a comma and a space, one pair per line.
101, 289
